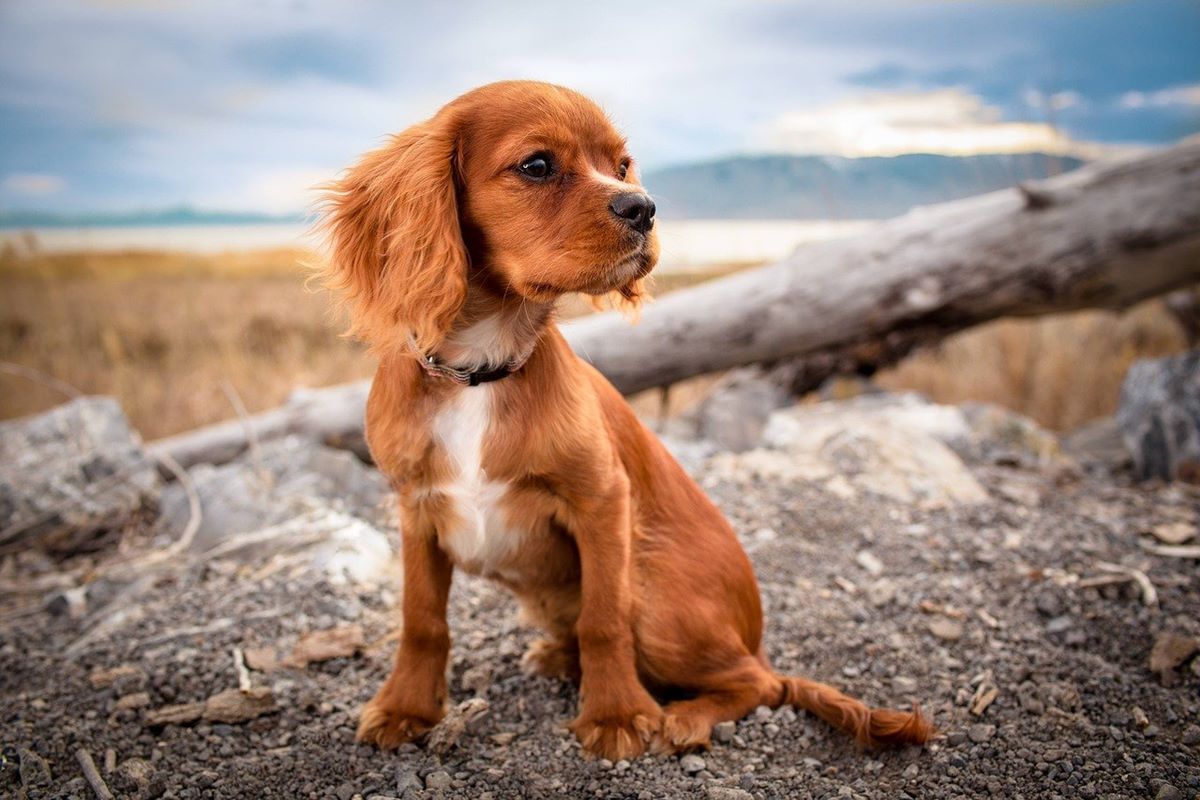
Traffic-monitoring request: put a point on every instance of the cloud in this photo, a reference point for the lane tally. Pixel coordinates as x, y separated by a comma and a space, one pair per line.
946, 121
33, 184
1163, 98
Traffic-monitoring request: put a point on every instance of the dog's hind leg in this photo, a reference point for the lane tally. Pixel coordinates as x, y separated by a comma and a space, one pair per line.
723, 696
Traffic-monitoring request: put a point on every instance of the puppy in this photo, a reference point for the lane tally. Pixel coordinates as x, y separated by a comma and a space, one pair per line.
515, 460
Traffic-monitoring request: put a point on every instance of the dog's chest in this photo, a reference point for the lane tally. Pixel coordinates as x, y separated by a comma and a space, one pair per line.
476, 535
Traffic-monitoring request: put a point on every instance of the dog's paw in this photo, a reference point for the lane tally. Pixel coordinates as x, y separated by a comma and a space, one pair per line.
617, 738
551, 659
684, 733
388, 728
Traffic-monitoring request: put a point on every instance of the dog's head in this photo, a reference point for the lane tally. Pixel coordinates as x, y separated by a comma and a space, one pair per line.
519, 186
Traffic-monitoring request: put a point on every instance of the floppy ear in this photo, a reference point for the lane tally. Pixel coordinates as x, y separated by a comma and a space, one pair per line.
396, 248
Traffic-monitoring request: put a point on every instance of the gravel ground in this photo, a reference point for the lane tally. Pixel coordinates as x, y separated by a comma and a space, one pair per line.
891, 603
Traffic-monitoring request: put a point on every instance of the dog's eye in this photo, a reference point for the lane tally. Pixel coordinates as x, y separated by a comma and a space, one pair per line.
623, 169
538, 167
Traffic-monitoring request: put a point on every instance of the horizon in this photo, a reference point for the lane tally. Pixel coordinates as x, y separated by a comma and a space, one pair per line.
228, 106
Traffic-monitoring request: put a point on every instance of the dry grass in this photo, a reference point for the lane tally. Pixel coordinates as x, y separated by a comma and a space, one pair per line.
1063, 370
161, 331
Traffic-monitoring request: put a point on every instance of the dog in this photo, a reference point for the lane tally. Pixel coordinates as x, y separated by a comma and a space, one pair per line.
514, 459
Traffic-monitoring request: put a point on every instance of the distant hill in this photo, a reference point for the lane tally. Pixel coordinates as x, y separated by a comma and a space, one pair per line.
832, 187
165, 216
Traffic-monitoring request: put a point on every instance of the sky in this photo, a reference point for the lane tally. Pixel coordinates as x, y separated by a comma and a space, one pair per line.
121, 106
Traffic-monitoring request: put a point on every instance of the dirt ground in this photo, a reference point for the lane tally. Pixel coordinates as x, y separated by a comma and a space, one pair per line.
954, 602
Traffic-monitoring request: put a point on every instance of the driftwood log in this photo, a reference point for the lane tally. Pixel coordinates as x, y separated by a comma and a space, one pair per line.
1105, 236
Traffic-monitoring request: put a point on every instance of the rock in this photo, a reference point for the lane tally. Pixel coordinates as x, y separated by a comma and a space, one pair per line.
74, 469
1174, 532
137, 778
998, 435
261, 659
727, 793
736, 410
1099, 443
438, 781
869, 562
1190, 735
135, 700
881, 592
723, 732
1060, 624
1170, 651
1168, 792
873, 445
478, 679
1159, 415
295, 476
445, 735
182, 714
341, 642
234, 705
34, 770
104, 678
955, 738
950, 630
692, 763
980, 733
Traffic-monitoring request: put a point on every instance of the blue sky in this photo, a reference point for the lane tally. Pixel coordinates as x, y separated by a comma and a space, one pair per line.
115, 106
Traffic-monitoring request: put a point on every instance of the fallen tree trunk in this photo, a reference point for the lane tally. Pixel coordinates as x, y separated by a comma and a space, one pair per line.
1105, 236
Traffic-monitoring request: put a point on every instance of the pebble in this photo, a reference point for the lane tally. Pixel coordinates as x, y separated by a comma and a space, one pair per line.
955, 738
947, 629
981, 733
728, 793
438, 781
1191, 735
1168, 792
1059, 624
692, 763
869, 562
723, 732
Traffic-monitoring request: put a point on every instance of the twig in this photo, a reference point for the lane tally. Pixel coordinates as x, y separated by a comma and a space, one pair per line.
93, 775
1103, 580
239, 407
1149, 595
243, 674
1173, 550
37, 376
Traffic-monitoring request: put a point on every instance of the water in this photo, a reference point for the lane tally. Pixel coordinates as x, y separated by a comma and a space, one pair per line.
686, 244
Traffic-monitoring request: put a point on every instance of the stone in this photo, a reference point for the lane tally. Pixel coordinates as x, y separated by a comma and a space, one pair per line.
735, 412
104, 678
1171, 650
692, 763
1159, 416
137, 778
869, 562
181, 714
438, 781
727, 793
1191, 735
33, 769
946, 629
723, 732
75, 469
980, 733
865, 446
340, 642
1168, 792
234, 705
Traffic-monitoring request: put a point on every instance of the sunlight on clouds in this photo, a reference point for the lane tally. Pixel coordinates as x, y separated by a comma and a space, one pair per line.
944, 121
33, 184
1175, 96
278, 191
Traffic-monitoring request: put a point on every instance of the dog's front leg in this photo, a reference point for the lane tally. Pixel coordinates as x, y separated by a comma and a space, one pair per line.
617, 716
412, 699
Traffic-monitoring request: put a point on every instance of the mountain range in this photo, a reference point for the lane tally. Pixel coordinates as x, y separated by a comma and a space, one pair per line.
833, 187
737, 187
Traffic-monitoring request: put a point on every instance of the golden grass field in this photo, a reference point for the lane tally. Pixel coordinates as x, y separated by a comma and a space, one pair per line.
163, 331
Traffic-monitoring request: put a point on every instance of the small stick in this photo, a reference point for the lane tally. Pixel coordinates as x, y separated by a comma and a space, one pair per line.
235, 400
1174, 550
1149, 595
110, 760
243, 674
93, 775
37, 376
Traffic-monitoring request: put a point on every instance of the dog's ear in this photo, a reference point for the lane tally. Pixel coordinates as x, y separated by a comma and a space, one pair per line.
396, 250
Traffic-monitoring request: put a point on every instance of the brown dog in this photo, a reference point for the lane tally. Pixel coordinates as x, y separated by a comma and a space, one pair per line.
515, 460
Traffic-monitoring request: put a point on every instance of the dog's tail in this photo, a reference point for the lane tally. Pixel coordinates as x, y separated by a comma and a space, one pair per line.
870, 726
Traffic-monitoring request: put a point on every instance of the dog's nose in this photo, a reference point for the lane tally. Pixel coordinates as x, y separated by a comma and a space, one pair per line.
635, 209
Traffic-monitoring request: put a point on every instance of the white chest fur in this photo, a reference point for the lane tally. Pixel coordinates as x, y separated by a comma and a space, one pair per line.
479, 539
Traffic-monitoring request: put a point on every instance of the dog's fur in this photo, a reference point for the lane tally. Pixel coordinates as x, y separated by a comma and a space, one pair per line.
544, 481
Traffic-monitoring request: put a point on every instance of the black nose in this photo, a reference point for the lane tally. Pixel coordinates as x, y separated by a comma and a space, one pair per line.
635, 208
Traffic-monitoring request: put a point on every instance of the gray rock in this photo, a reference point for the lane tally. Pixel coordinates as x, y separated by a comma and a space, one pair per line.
137, 778
1168, 792
295, 475
78, 466
1100, 443
981, 733
34, 770
439, 781
727, 793
1159, 416
736, 411
723, 732
692, 763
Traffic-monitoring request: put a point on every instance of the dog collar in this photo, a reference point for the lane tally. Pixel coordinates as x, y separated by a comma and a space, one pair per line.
438, 368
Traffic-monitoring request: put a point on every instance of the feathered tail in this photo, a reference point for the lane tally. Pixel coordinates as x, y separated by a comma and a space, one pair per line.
870, 726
